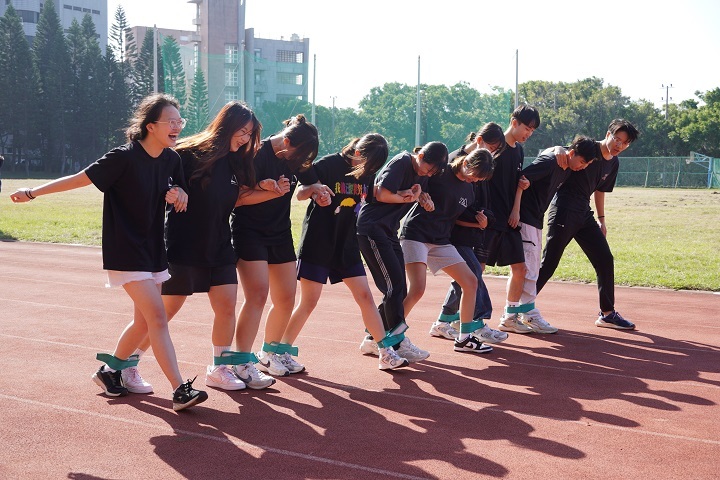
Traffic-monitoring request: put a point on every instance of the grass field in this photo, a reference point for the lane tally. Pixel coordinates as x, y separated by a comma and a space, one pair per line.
659, 237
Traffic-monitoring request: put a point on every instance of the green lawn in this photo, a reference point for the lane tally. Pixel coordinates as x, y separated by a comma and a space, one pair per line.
660, 237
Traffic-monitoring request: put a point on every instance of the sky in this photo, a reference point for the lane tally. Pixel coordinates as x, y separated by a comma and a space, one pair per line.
636, 45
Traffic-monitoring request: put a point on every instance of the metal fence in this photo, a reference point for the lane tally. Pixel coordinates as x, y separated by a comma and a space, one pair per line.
693, 171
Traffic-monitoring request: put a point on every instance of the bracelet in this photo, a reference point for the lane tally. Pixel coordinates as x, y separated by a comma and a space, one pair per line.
601, 216
28, 193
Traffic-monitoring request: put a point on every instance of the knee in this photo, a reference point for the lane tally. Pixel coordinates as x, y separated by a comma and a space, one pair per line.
519, 270
468, 283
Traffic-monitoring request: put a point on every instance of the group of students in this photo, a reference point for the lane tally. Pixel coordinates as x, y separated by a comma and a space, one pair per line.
184, 216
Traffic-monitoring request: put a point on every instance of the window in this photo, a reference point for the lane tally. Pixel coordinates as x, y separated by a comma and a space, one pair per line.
77, 9
96, 12
258, 100
67, 7
231, 54
285, 78
258, 53
288, 56
86, 10
230, 95
231, 77
28, 16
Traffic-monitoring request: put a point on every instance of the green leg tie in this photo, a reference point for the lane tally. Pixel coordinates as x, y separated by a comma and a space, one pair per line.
235, 358
115, 363
270, 347
520, 308
287, 348
481, 321
449, 318
470, 327
391, 340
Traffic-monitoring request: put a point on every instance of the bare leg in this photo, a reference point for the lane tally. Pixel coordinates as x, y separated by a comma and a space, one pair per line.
254, 277
150, 319
417, 279
461, 273
515, 282
309, 295
283, 284
172, 304
363, 297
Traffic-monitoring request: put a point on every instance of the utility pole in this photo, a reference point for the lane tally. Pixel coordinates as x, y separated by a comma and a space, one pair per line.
517, 61
667, 98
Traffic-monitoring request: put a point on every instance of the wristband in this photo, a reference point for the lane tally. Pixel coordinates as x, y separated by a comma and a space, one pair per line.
601, 216
28, 193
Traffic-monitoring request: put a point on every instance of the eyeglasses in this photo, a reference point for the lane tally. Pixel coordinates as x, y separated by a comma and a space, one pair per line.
620, 142
174, 123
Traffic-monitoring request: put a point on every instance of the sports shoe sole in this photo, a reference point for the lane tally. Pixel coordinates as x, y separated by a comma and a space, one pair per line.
483, 349
603, 324
201, 397
101, 384
254, 386
393, 367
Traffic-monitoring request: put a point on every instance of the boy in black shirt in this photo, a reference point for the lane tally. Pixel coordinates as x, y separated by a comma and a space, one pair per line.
570, 217
545, 177
506, 246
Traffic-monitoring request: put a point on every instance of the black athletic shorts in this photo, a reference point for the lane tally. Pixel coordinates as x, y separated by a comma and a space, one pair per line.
505, 248
186, 279
272, 254
320, 274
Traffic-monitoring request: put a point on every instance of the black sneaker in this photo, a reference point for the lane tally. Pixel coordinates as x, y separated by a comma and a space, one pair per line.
185, 396
472, 344
110, 382
614, 320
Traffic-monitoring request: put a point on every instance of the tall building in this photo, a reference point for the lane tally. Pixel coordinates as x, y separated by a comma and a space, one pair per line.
239, 66
68, 10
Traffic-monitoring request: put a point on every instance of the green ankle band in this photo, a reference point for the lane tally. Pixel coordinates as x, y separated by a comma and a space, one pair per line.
453, 317
470, 327
287, 348
524, 308
481, 321
235, 358
115, 363
391, 340
271, 347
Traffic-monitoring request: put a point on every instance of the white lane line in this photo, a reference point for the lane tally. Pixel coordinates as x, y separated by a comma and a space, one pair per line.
234, 441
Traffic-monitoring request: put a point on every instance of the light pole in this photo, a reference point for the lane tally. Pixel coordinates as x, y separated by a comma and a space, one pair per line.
667, 97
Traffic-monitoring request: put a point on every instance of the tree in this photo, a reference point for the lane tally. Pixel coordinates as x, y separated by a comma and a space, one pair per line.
174, 72
198, 112
699, 128
53, 67
390, 111
19, 86
122, 40
143, 69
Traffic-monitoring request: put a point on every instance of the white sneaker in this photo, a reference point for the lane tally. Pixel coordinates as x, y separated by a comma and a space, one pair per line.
472, 344
222, 376
534, 320
411, 352
490, 335
444, 330
269, 362
390, 360
251, 377
290, 363
134, 382
369, 346
510, 322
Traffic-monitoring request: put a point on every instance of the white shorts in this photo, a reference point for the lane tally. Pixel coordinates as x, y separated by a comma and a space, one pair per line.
436, 257
116, 278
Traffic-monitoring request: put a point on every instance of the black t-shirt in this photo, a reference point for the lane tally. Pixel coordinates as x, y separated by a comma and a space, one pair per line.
575, 193
545, 177
200, 236
503, 184
135, 184
267, 223
468, 236
329, 236
379, 218
451, 197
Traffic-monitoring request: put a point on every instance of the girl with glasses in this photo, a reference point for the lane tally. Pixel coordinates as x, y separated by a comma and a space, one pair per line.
134, 180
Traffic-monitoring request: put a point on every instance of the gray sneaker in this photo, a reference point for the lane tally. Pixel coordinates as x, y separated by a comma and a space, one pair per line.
510, 322
390, 360
252, 377
411, 352
369, 346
